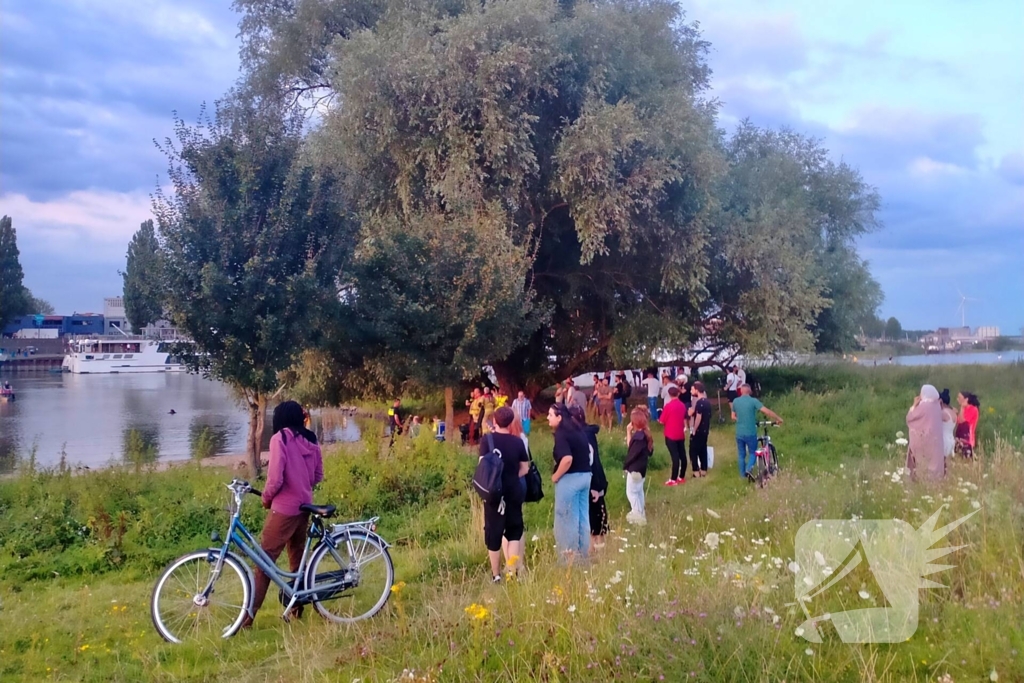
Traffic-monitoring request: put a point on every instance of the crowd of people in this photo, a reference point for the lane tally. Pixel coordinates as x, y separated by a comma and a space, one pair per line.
937, 431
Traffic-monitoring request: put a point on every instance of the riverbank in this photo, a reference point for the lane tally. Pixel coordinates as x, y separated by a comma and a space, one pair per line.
78, 557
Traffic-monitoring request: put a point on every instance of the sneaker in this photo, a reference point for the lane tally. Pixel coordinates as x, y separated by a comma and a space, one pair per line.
670, 482
680, 480
496, 579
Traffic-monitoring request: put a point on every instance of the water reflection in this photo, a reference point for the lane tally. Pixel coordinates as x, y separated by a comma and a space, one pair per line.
113, 418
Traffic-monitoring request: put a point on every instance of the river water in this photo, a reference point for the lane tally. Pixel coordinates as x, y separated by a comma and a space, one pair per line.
99, 419
980, 358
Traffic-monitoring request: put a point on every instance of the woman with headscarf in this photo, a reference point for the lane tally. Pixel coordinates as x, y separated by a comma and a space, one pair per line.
924, 422
948, 424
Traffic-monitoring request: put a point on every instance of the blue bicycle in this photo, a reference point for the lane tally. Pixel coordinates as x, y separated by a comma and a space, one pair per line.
346, 573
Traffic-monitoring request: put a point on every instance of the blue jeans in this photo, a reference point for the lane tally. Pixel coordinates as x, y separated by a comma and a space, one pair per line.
747, 446
572, 514
618, 409
526, 427
652, 405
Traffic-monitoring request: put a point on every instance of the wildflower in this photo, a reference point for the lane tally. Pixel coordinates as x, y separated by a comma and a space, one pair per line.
712, 540
819, 558
572, 609
975, 504
993, 676
535, 538
901, 442
794, 567
84, 648
808, 652
689, 518
864, 595
900, 435
397, 588
799, 631
477, 612
713, 513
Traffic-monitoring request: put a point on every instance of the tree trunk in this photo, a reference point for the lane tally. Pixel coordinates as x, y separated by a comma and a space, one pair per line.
449, 414
257, 412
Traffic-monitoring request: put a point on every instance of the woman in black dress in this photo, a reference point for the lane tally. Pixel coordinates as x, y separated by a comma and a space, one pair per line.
598, 482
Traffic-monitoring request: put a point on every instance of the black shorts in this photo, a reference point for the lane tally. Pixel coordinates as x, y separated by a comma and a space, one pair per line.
730, 395
496, 525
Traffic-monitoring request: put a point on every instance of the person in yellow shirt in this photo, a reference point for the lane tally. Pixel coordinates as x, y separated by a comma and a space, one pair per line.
476, 414
500, 398
489, 407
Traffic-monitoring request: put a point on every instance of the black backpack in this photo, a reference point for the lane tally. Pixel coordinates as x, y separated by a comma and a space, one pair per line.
487, 478
627, 390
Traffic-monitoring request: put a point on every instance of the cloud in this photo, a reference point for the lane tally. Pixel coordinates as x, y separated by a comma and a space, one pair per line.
1011, 168
94, 225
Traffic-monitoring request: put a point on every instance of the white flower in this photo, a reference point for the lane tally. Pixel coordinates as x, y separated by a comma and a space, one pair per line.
901, 442
900, 435
864, 595
819, 558
975, 504
712, 540
535, 538
809, 581
713, 513
993, 676
808, 652
794, 567
689, 518
799, 631
629, 589
572, 609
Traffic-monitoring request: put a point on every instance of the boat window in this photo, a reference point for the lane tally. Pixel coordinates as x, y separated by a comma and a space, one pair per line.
117, 356
128, 355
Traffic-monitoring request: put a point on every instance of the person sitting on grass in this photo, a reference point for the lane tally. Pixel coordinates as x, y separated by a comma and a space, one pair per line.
296, 466
744, 412
505, 520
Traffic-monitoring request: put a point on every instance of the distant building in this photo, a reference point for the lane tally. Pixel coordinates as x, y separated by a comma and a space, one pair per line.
986, 333
86, 324
115, 321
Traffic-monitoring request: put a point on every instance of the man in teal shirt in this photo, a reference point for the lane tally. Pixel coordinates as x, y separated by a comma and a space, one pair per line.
744, 411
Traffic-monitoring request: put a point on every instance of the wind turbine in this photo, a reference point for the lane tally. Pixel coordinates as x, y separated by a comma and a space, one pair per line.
963, 307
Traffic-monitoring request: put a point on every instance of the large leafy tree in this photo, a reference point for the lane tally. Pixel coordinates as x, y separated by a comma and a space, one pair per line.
15, 300
143, 279
581, 127
254, 241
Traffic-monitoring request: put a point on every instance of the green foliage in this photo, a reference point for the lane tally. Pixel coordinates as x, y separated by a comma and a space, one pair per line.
254, 244
143, 279
893, 329
14, 298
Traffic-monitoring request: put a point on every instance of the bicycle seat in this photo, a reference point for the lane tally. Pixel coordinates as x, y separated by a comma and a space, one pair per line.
324, 511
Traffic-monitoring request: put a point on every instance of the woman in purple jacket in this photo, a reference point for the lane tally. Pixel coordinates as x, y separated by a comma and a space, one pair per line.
296, 466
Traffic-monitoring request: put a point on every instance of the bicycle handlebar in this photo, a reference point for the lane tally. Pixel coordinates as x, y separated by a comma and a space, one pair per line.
255, 492
768, 423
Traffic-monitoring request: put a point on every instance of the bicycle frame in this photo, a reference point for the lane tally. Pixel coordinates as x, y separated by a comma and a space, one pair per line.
250, 548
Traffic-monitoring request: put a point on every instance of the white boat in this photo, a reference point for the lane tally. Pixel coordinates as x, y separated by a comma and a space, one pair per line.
120, 355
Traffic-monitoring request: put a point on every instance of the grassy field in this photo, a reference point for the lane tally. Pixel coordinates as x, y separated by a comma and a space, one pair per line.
79, 555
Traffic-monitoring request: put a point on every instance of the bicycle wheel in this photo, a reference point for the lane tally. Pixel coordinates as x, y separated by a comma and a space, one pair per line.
773, 460
181, 612
362, 565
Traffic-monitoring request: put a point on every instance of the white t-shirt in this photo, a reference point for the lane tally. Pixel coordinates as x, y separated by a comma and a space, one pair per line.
730, 382
741, 378
665, 398
653, 387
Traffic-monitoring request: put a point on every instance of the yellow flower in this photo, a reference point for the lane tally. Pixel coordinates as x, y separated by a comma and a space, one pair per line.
84, 648
397, 588
477, 612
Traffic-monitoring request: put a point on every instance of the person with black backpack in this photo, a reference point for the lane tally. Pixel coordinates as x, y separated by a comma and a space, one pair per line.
503, 500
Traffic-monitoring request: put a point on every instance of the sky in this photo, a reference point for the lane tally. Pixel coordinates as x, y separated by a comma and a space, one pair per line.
926, 99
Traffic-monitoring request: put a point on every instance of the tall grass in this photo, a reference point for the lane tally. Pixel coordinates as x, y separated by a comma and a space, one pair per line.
78, 555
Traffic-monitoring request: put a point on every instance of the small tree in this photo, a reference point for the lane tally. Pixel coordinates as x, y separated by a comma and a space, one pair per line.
14, 298
253, 242
143, 288
893, 329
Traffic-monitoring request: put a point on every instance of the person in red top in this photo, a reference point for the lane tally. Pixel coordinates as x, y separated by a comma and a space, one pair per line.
673, 417
296, 466
967, 424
